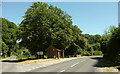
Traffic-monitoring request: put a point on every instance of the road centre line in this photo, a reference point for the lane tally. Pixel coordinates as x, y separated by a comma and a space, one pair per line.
28, 70
52, 63
33, 68
37, 67
62, 70
75, 64
83, 60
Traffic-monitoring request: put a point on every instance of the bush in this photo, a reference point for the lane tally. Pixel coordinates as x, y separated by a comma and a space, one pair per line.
45, 57
23, 57
4, 56
32, 56
23, 54
85, 53
13, 53
97, 52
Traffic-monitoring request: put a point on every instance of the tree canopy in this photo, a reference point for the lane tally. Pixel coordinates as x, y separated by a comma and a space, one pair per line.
93, 40
113, 48
44, 25
9, 36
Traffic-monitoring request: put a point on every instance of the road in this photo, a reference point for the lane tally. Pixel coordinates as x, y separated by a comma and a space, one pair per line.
83, 64
86, 64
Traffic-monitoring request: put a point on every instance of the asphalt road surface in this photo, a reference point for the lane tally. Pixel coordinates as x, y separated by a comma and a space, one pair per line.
86, 64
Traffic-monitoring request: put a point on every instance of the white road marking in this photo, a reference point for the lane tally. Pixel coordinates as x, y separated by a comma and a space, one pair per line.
75, 64
53, 63
43, 66
37, 67
33, 68
83, 60
62, 70
29, 69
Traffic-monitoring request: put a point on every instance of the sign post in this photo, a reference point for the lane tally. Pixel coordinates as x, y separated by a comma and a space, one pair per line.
40, 53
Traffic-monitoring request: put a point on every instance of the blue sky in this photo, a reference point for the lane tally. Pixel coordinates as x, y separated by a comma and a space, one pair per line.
91, 17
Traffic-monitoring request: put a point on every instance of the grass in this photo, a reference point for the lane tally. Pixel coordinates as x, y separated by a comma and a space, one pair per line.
0, 58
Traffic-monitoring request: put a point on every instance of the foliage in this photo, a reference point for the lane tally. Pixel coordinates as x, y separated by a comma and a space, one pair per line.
0, 45
113, 48
45, 57
103, 43
44, 25
23, 54
93, 42
85, 53
79, 51
96, 46
110, 44
4, 49
9, 34
109, 30
105, 39
97, 52
15, 48
92, 39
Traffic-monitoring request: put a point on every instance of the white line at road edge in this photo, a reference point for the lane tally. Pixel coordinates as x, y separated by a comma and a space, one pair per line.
75, 64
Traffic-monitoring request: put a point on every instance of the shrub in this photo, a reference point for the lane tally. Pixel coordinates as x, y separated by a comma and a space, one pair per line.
85, 53
45, 57
23, 54
97, 52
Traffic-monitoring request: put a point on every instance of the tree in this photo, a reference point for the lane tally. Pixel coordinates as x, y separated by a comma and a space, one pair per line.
93, 43
5, 49
113, 48
103, 43
92, 39
105, 39
9, 34
44, 25
109, 30
96, 46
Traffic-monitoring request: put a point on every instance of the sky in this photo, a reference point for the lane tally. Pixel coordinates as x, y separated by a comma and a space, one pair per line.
91, 17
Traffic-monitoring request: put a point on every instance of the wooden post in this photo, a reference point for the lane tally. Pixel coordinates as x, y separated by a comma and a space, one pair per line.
63, 53
58, 55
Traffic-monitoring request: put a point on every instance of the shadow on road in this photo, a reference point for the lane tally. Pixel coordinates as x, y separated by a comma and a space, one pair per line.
16, 61
102, 63
118, 68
